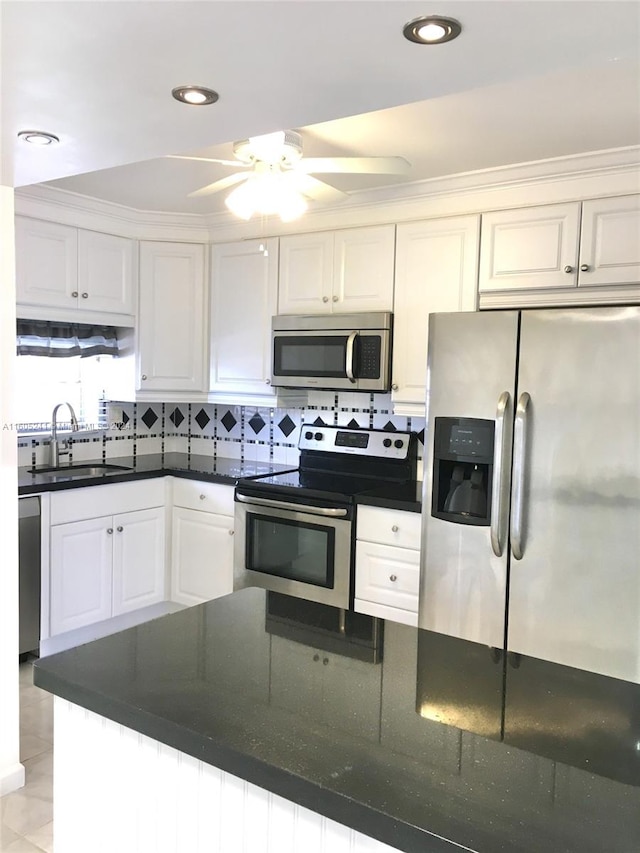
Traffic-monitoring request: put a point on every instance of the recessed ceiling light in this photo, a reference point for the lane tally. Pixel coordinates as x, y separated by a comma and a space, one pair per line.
195, 95
37, 137
432, 29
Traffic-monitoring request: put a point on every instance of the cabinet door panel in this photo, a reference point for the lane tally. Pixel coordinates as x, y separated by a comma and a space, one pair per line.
306, 272
363, 269
46, 263
81, 555
105, 272
172, 313
436, 270
244, 297
610, 244
138, 560
530, 248
202, 556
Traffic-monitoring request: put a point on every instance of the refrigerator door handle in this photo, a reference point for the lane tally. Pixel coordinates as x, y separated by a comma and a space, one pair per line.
499, 488
519, 448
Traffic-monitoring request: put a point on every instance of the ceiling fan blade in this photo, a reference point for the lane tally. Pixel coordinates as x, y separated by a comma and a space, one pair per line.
237, 163
354, 165
216, 186
312, 187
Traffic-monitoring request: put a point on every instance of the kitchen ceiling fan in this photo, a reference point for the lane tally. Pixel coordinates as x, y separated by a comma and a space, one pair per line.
278, 177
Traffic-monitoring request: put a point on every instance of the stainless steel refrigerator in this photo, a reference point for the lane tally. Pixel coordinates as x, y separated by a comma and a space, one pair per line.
530, 576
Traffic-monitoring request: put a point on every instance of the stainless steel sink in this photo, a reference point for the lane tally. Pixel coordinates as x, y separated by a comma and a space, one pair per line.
81, 470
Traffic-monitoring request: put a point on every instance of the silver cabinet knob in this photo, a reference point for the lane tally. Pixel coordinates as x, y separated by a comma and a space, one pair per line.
394, 387
75, 294
202, 497
144, 376
231, 533
395, 528
316, 658
568, 268
325, 661
335, 298
584, 267
267, 382
109, 530
325, 299
85, 295
120, 528
393, 578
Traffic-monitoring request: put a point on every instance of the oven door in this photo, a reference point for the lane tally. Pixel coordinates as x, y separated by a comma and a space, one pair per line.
298, 550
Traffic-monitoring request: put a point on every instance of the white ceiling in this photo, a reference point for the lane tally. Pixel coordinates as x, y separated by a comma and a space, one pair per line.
525, 81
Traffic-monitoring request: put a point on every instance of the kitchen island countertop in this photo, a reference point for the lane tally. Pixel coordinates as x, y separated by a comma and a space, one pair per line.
213, 682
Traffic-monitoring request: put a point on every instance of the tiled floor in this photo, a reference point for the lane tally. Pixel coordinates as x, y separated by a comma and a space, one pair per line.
26, 815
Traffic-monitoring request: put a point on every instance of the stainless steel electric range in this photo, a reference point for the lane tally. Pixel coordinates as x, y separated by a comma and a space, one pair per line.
295, 531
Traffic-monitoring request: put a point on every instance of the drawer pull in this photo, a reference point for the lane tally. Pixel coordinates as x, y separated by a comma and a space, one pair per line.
395, 528
325, 661
393, 578
231, 533
202, 497
316, 658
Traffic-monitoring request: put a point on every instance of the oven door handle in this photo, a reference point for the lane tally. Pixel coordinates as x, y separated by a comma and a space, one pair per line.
351, 341
312, 510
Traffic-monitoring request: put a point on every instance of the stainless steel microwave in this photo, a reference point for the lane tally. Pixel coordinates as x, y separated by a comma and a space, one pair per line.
341, 352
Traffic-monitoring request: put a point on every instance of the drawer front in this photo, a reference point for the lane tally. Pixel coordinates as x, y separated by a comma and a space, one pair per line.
389, 526
205, 497
96, 501
387, 575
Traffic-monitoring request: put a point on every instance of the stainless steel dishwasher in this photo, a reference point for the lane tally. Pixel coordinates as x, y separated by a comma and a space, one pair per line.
29, 571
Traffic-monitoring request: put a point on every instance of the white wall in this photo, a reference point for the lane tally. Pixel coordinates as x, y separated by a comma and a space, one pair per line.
11, 771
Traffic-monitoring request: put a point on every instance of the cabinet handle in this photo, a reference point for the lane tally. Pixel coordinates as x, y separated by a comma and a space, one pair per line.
568, 268
203, 497
394, 387
335, 298
120, 529
584, 267
75, 294
393, 578
325, 661
144, 376
395, 528
325, 298
231, 533
267, 382
85, 295
109, 530
316, 658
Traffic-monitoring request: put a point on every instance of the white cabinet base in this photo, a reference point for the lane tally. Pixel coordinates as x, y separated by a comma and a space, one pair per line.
124, 791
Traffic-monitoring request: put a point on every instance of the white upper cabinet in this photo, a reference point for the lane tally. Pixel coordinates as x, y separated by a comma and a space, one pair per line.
559, 252
436, 270
244, 297
74, 270
172, 312
339, 271
532, 247
610, 242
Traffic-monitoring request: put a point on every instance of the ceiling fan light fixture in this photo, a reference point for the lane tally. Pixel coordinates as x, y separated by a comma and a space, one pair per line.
432, 29
267, 194
196, 96
37, 137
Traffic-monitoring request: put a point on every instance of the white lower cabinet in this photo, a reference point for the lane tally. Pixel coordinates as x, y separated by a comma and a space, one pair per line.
105, 566
388, 564
202, 541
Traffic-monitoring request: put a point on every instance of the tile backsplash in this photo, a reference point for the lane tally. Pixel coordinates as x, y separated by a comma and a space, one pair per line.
213, 429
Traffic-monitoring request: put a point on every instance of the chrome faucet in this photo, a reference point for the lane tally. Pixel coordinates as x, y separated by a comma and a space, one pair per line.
60, 447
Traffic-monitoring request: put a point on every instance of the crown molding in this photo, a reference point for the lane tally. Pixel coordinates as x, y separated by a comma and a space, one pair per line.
559, 179
81, 211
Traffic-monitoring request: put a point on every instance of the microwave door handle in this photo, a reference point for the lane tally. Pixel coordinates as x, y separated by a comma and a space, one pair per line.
351, 340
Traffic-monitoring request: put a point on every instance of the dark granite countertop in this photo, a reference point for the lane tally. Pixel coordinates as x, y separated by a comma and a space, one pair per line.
405, 496
208, 468
341, 738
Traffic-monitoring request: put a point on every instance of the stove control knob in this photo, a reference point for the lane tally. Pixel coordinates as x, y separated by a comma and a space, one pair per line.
318, 436
398, 443
308, 435
387, 442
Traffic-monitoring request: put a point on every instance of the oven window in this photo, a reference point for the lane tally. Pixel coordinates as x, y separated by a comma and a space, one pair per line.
310, 355
290, 549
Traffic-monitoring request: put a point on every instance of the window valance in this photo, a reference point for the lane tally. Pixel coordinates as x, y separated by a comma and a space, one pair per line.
64, 340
